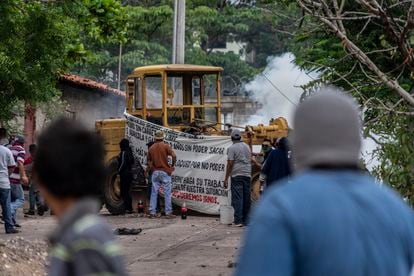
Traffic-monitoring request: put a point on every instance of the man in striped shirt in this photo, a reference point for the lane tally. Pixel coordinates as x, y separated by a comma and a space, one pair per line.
18, 177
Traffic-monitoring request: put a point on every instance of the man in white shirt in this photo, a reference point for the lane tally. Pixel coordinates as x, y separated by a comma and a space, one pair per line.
239, 168
7, 165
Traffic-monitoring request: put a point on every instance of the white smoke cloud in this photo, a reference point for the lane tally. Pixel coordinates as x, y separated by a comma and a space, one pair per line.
282, 73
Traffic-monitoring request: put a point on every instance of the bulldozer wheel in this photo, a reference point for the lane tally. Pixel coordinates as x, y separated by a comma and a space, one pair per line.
255, 188
112, 190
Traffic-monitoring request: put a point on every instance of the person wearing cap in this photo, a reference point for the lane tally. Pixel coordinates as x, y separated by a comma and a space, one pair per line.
18, 177
331, 218
158, 155
239, 168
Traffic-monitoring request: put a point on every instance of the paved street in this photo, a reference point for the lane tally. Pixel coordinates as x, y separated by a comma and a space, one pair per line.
196, 246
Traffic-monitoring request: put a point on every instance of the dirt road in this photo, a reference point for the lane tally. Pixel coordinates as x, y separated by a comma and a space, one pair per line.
196, 246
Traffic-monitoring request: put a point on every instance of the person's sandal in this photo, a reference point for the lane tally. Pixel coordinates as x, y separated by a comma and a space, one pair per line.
157, 215
236, 224
170, 216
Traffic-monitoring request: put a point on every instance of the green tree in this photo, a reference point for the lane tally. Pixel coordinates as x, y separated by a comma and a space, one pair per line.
367, 52
149, 38
41, 39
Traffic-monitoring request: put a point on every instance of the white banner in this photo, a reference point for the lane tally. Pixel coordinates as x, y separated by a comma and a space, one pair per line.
198, 179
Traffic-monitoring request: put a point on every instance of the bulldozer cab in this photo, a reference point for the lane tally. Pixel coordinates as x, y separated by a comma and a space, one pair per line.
178, 96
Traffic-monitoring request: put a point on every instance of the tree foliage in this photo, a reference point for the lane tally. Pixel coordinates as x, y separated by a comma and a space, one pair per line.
149, 38
41, 39
367, 50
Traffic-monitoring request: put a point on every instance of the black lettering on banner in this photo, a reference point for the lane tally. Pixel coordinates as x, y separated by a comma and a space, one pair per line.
195, 189
210, 166
191, 188
216, 150
144, 131
189, 180
195, 165
199, 182
136, 134
200, 149
216, 192
214, 183
217, 167
183, 164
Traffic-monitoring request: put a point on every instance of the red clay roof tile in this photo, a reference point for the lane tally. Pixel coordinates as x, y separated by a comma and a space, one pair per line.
88, 83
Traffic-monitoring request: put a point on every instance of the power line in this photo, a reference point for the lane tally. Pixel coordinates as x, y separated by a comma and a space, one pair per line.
280, 91
297, 78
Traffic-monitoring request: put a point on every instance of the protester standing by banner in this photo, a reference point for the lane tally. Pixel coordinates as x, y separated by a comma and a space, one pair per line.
158, 157
198, 178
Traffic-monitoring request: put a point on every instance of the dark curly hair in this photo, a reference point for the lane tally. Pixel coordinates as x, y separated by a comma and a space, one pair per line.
69, 160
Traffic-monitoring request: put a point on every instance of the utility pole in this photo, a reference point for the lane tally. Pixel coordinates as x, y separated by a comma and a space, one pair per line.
178, 47
119, 66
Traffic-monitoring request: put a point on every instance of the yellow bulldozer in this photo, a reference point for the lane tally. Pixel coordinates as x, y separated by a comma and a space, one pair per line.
180, 97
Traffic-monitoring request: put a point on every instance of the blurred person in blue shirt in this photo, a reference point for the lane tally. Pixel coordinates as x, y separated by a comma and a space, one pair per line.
330, 219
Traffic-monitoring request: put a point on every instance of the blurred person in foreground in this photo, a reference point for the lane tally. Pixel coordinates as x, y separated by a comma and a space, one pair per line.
70, 172
126, 161
330, 219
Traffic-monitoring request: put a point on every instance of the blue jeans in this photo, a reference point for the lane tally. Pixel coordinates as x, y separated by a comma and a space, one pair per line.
32, 197
17, 199
35, 199
161, 179
240, 198
5, 206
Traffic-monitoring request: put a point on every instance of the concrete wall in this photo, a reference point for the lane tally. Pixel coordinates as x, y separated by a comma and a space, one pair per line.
89, 105
239, 48
236, 110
